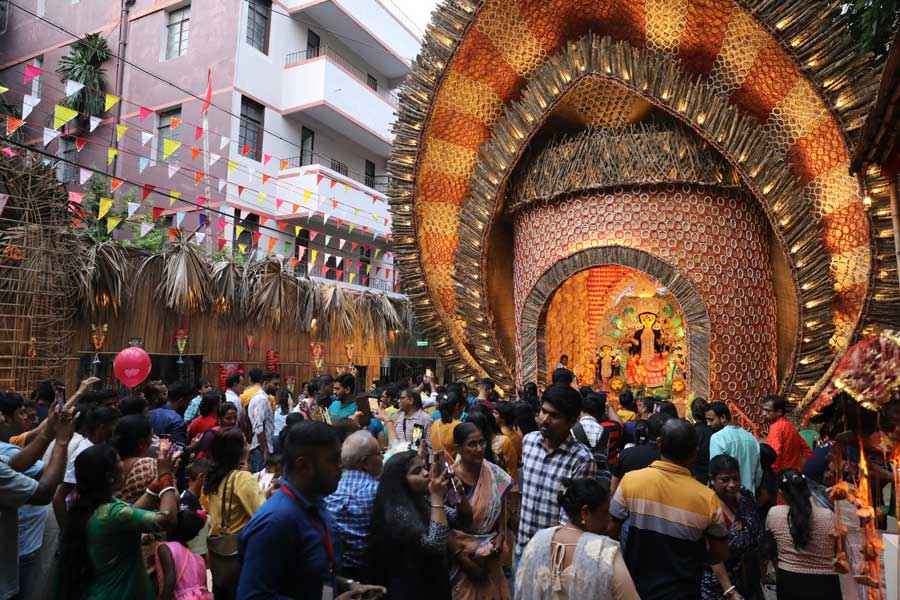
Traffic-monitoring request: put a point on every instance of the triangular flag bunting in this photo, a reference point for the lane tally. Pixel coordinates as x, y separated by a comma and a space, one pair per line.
112, 223
242, 248
30, 73
213, 158
245, 149
133, 208
120, 131
76, 197
28, 104
198, 133
169, 147
327, 240
300, 252
199, 237
157, 212
195, 152
173, 168
261, 197
231, 167
175, 122
350, 228
146, 136
221, 242
282, 164
109, 101
282, 225
353, 246
240, 190
319, 178
143, 163
238, 230
111, 154
297, 230
174, 197
115, 183
313, 235
80, 143
270, 244
266, 158
352, 276
201, 200
221, 184
144, 112
314, 254
104, 205
146, 228
73, 87
341, 243
266, 178
94, 123
223, 143
12, 124
3, 90
179, 218
278, 203
307, 194
331, 183
62, 115
198, 177
84, 175
146, 191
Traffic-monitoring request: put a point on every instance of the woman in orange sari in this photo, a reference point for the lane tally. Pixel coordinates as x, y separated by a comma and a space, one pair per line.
479, 542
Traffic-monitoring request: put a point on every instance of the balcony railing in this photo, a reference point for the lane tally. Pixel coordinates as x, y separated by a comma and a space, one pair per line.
379, 183
301, 56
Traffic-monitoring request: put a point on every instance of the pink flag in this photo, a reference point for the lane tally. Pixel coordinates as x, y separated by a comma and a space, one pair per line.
30, 73
198, 133
76, 197
144, 112
266, 158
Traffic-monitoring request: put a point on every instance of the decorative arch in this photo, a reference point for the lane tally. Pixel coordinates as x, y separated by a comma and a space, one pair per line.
533, 316
781, 61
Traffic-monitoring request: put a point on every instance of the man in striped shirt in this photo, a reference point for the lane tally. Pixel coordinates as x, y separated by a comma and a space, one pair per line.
550, 455
676, 525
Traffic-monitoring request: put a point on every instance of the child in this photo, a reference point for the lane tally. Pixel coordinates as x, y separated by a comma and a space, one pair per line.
181, 574
270, 478
190, 500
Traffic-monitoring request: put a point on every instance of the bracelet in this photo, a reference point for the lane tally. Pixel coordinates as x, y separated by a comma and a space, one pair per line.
166, 489
729, 590
438, 506
150, 492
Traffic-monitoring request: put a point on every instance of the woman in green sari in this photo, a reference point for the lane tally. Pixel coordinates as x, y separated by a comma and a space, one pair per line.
101, 547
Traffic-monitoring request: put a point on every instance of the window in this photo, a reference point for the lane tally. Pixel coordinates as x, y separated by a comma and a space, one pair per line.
258, 16
313, 44
370, 174
177, 32
36, 83
68, 172
251, 131
371, 82
302, 241
331, 264
251, 226
165, 131
307, 146
340, 167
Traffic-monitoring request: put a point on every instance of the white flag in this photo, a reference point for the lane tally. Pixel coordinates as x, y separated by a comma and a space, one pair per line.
179, 218
200, 237
133, 208
84, 176
244, 214
49, 135
145, 137
221, 184
223, 143
327, 240
325, 218
341, 243
146, 228
173, 169
95, 122
213, 158
28, 104
73, 87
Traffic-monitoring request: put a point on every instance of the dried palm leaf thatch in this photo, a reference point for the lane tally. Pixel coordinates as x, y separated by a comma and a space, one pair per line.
185, 282
338, 311
227, 287
99, 276
377, 316
309, 309
273, 294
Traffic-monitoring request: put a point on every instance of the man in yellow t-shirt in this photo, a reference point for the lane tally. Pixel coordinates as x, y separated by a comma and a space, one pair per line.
256, 378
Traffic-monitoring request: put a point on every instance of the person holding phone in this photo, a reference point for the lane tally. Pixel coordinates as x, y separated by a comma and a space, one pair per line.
408, 417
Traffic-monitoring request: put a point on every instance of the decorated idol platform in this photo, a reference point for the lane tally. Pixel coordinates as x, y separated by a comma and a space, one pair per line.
660, 191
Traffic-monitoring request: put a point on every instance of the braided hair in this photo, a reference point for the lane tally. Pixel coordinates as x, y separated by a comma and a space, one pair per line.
795, 490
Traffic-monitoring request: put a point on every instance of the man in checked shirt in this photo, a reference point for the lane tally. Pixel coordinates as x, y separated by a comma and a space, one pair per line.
550, 455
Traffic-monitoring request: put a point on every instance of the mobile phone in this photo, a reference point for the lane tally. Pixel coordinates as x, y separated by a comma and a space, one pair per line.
59, 395
418, 434
373, 405
440, 462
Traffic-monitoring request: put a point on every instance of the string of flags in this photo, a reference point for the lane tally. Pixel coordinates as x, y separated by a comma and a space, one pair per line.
110, 100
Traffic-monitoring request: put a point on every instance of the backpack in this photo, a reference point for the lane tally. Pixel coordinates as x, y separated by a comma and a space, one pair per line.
599, 451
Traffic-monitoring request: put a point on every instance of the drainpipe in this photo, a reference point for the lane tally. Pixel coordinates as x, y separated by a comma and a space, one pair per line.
120, 75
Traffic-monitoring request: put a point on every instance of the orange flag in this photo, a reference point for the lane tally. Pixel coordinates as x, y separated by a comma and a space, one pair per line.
12, 124
198, 177
195, 152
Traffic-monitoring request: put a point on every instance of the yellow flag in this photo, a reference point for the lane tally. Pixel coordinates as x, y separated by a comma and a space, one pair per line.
352, 276
173, 197
297, 230
242, 248
110, 101
3, 90
112, 223
261, 197
111, 155
170, 146
307, 194
120, 131
62, 115
238, 230
105, 205
315, 255
231, 166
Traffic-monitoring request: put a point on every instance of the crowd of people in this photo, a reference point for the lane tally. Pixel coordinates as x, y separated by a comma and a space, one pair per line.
404, 491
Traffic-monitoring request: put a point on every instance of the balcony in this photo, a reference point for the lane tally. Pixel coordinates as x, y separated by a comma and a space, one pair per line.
364, 206
325, 86
379, 183
370, 30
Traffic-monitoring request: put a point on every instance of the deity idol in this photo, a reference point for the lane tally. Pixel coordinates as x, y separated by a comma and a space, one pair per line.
649, 355
607, 366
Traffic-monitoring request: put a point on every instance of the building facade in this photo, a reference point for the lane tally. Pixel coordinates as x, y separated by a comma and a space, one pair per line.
290, 160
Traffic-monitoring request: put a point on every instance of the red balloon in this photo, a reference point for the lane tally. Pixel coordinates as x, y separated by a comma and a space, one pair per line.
132, 366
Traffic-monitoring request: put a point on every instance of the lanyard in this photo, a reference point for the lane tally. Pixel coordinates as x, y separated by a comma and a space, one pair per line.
319, 526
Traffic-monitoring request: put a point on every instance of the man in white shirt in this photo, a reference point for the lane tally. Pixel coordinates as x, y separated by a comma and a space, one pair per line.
262, 426
234, 385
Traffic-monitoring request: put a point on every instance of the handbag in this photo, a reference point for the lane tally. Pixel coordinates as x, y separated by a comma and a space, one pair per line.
223, 547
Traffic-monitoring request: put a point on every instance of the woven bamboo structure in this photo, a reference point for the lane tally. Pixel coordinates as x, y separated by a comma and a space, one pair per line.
773, 86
